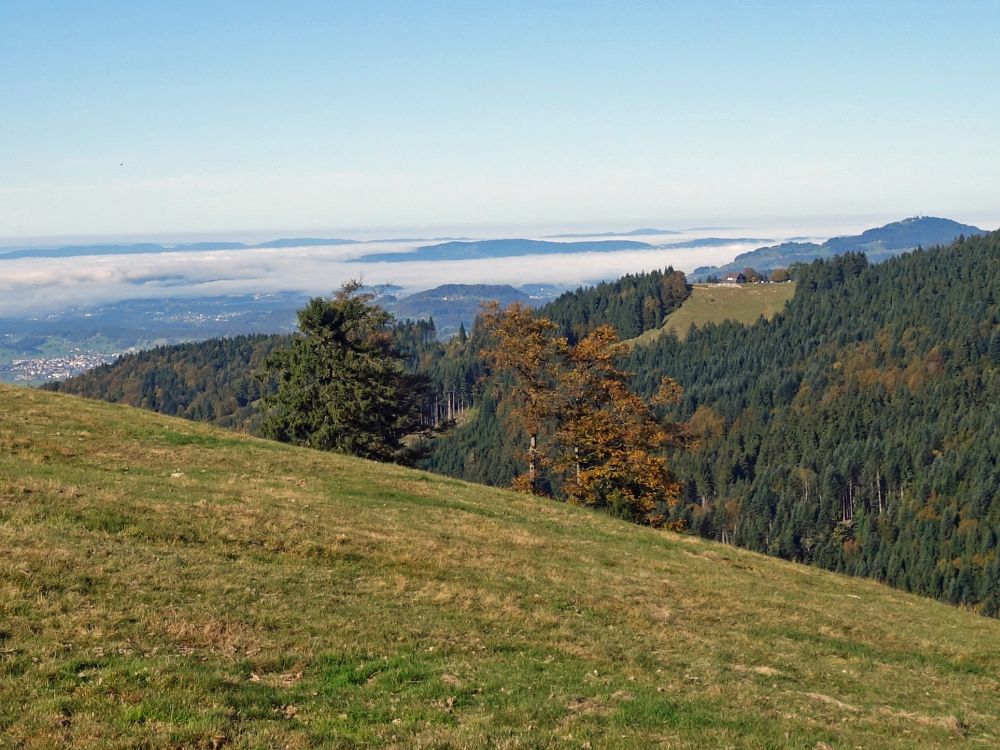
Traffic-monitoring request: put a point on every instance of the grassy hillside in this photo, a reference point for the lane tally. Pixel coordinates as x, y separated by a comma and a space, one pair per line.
166, 584
715, 303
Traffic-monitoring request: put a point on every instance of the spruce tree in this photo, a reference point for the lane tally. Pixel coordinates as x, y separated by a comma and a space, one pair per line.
340, 383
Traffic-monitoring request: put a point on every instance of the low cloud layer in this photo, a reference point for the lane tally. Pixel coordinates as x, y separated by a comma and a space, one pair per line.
31, 286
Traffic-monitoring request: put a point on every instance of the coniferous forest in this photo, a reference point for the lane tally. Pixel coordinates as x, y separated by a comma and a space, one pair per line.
632, 304
206, 381
859, 430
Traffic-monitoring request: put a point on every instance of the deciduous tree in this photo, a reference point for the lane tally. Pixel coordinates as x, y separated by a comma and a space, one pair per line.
611, 440
605, 444
527, 348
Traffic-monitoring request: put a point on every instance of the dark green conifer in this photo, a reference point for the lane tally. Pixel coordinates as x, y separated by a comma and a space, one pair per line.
340, 383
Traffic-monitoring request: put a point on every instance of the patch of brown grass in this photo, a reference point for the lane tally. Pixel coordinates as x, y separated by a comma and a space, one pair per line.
267, 592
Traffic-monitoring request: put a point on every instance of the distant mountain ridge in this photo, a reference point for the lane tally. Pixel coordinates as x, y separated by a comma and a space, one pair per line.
500, 292
713, 242
507, 248
150, 248
878, 244
644, 232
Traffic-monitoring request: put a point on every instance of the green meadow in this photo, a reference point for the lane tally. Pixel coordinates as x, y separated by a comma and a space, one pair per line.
169, 585
716, 303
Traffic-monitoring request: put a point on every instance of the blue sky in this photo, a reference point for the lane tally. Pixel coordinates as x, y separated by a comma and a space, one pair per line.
242, 118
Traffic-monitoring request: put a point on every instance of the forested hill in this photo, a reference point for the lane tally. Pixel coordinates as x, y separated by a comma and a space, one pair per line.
631, 304
452, 306
878, 244
859, 430
216, 380
207, 381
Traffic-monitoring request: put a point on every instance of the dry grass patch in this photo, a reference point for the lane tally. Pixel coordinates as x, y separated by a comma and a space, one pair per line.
275, 597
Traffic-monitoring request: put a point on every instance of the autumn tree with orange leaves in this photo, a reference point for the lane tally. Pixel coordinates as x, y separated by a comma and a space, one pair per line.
604, 445
611, 442
525, 347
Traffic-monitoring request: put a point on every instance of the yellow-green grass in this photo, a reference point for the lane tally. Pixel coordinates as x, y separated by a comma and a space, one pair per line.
716, 303
166, 585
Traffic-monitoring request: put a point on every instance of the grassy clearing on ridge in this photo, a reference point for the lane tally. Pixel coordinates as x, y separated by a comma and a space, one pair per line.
715, 303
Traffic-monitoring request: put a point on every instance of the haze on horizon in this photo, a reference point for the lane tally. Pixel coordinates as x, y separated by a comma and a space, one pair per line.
43, 285
250, 119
